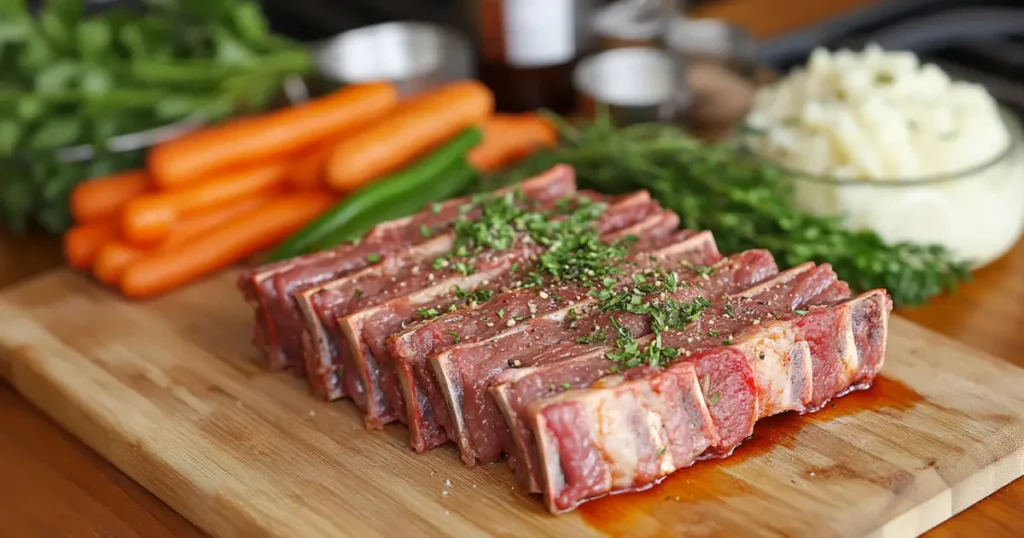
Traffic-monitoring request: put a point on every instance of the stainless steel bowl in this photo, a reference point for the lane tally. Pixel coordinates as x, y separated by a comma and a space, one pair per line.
637, 84
413, 55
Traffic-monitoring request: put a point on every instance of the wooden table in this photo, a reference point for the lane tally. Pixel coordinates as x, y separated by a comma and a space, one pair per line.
62, 488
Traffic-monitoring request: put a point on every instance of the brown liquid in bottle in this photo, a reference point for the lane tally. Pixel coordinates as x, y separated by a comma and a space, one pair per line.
528, 49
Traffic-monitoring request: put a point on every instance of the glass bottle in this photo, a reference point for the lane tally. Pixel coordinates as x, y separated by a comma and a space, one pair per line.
527, 50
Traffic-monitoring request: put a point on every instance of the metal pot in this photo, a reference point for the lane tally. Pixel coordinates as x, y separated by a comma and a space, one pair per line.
414, 56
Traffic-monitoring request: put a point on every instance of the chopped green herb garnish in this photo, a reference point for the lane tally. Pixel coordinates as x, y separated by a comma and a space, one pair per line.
714, 398
424, 231
435, 208
566, 386
357, 293
702, 271
713, 333
629, 353
464, 268
670, 282
533, 280
427, 313
596, 337
373, 258
455, 336
481, 296
800, 312
501, 312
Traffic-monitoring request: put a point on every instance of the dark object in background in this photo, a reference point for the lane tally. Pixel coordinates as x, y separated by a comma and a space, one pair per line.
515, 89
310, 20
526, 61
527, 49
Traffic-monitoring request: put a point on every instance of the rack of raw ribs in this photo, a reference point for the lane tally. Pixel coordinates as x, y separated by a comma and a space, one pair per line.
595, 366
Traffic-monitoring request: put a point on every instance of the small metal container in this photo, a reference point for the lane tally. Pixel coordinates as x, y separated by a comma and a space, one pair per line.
696, 40
414, 56
719, 59
638, 84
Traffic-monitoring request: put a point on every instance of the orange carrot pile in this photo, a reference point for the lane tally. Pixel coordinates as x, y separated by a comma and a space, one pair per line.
417, 126
116, 255
223, 193
150, 217
306, 172
510, 138
253, 231
103, 197
269, 137
83, 242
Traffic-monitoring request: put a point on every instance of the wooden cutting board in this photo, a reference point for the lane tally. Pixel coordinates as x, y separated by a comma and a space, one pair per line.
171, 392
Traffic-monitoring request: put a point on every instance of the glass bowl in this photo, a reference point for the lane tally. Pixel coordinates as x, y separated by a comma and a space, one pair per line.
977, 213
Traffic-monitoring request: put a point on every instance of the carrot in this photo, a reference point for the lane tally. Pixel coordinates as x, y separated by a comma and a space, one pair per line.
112, 259
271, 222
268, 137
117, 254
149, 218
509, 138
411, 130
306, 173
83, 242
100, 198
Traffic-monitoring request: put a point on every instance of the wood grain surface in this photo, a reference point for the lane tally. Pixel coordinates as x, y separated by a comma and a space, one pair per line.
67, 490
172, 392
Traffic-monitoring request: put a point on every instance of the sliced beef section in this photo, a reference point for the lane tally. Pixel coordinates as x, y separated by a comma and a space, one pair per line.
465, 372
631, 430
428, 417
326, 352
318, 336
269, 288
376, 318
575, 366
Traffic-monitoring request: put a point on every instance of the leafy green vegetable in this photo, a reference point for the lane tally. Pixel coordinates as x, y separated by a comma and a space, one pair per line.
745, 202
71, 78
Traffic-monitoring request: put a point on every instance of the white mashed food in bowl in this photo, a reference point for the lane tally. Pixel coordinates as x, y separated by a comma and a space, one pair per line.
897, 147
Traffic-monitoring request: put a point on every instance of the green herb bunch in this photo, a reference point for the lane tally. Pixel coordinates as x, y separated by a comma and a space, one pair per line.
72, 77
745, 202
